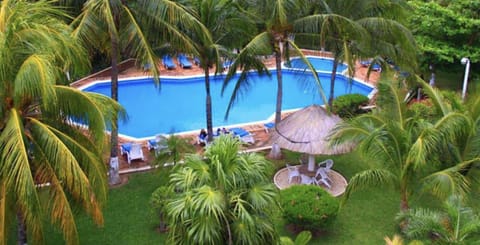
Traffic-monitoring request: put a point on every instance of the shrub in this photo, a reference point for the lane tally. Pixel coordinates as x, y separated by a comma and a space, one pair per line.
309, 207
159, 199
422, 110
347, 105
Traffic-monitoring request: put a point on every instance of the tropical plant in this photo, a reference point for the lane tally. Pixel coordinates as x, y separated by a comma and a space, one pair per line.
455, 224
397, 240
445, 30
158, 201
276, 36
49, 165
176, 148
112, 27
225, 197
221, 27
303, 238
308, 206
348, 105
406, 151
353, 29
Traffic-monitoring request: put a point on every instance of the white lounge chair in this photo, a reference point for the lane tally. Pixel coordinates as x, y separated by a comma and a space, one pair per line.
292, 173
324, 179
268, 126
158, 144
133, 150
243, 135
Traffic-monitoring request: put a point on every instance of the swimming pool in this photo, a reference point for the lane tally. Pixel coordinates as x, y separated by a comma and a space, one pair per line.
180, 104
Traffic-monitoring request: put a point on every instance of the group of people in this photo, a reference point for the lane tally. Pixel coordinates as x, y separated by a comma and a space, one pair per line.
202, 137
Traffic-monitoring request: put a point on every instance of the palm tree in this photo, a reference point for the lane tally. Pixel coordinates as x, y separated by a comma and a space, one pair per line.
175, 150
223, 197
407, 149
455, 224
40, 144
275, 18
352, 29
112, 27
221, 28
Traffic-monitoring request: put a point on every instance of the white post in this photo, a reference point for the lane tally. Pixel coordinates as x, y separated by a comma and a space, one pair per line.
311, 162
465, 61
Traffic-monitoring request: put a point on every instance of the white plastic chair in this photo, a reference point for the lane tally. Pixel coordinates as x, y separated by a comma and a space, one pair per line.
307, 180
292, 173
135, 152
328, 165
323, 177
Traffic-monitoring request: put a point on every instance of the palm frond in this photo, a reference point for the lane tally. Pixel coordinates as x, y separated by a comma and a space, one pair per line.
101, 112
16, 172
446, 182
369, 178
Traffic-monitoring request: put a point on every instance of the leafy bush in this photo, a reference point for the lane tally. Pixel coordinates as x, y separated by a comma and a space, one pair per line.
422, 110
159, 199
347, 105
309, 207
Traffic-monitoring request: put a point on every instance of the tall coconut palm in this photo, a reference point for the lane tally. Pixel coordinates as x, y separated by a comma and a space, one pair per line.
112, 27
353, 29
47, 162
454, 224
222, 28
406, 149
275, 18
222, 198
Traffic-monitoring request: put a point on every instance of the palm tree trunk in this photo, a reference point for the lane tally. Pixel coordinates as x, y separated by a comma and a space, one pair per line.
114, 177
332, 82
278, 109
208, 104
404, 199
21, 230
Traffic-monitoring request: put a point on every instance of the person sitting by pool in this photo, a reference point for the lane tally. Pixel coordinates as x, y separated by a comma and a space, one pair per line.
202, 137
219, 131
225, 131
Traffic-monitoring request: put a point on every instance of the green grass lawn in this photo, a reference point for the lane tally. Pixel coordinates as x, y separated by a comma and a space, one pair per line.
366, 218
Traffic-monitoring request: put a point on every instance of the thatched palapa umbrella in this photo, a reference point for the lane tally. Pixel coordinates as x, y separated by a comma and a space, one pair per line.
307, 131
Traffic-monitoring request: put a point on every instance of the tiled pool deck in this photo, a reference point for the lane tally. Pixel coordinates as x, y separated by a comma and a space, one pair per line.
130, 69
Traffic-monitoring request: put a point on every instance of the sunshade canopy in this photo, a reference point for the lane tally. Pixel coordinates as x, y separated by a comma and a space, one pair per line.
307, 131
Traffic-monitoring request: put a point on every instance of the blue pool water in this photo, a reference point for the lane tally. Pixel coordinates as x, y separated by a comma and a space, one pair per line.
180, 104
320, 64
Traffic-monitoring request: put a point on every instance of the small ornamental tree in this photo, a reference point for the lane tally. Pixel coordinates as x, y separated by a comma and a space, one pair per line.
309, 207
159, 199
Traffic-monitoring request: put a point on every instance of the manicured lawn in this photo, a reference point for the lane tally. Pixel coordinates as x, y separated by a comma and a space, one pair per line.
366, 218
128, 218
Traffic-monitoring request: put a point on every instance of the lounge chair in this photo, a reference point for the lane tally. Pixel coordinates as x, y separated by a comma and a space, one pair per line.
243, 135
168, 62
368, 63
133, 150
292, 172
158, 144
183, 61
268, 126
196, 60
227, 64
